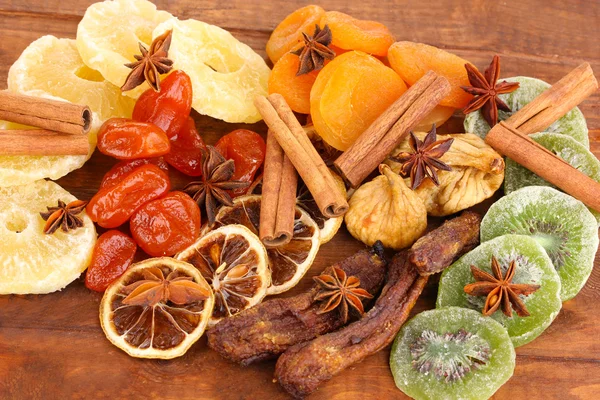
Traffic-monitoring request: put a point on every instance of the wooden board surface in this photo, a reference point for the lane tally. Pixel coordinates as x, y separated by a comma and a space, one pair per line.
52, 346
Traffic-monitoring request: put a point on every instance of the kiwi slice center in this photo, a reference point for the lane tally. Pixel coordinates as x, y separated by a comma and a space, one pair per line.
553, 237
449, 356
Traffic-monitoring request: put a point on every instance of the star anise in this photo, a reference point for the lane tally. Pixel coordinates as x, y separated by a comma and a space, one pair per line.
426, 158
64, 216
339, 290
150, 64
315, 51
155, 288
500, 290
216, 180
486, 90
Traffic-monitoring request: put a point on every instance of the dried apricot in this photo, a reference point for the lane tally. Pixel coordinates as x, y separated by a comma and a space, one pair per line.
112, 256
294, 89
355, 34
349, 94
412, 60
289, 31
438, 116
125, 139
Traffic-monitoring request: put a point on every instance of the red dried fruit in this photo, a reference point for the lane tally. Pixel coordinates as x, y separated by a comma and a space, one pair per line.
122, 168
125, 139
186, 150
112, 256
166, 226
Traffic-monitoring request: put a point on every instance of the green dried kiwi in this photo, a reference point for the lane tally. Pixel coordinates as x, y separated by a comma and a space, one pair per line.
451, 353
567, 148
572, 124
564, 227
533, 267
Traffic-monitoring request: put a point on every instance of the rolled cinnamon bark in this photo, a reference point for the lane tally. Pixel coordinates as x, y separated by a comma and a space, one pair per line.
42, 143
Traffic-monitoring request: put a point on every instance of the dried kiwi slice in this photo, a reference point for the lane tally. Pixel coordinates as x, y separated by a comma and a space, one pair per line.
533, 267
561, 224
572, 124
452, 353
563, 146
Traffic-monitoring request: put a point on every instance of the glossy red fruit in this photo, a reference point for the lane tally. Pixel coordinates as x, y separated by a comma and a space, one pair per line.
122, 168
112, 256
166, 226
247, 150
186, 150
112, 206
125, 139
169, 108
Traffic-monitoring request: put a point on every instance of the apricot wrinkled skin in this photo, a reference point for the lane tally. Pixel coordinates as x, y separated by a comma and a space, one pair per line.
294, 89
349, 94
289, 31
412, 60
350, 33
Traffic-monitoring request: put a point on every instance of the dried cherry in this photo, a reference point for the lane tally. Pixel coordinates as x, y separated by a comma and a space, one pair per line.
167, 225
186, 150
112, 256
247, 150
125, 139
112, 206
122, 168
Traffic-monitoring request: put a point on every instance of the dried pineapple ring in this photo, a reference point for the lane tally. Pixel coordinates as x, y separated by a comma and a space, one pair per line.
226, 74
234, 262
164, 330
53, 67
30, 260
109, 33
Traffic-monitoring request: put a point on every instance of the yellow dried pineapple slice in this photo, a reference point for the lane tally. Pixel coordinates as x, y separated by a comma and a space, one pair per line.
30, 260
226, 74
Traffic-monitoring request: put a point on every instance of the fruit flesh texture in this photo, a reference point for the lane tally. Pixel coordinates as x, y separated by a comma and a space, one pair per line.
124, 139
533, 267
354, 34
166, 226
561, 224
349, 94
247, 150
294, 89
112, 206
289, 31
413, 60
571, 124
567, 148
186, 150
438, 116
112, 256
125, 167
479, 383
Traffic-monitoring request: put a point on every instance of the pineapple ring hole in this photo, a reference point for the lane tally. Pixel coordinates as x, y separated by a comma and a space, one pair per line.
89, 74
16, 222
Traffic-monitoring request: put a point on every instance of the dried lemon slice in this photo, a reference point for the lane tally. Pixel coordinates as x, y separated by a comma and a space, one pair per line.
109, 34
30, 260
289, 262
157, 309
226, 74
233, 260
53, 66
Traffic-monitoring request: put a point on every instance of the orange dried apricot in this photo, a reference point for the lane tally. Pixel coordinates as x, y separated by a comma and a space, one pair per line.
355, 34
438, 116
349, 94
412, 60
289, 31
294, 89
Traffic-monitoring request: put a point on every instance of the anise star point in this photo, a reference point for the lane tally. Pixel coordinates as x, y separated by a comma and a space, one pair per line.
64, 216
425, 159
315, 51
486, 89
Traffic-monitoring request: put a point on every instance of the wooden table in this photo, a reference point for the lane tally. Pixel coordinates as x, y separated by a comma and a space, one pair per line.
52, 346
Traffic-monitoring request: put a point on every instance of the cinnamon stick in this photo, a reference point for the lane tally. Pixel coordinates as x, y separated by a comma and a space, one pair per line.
541, 161
292, 138
388, 130
278, 204
42, 143
53, 115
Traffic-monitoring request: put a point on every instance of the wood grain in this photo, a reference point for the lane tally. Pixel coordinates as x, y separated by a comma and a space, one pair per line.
52, 346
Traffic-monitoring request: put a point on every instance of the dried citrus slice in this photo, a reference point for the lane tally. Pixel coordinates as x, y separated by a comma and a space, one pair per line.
109, 34
234, 262
157, 309
30, 260
289, 262
226, 74
53, 66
